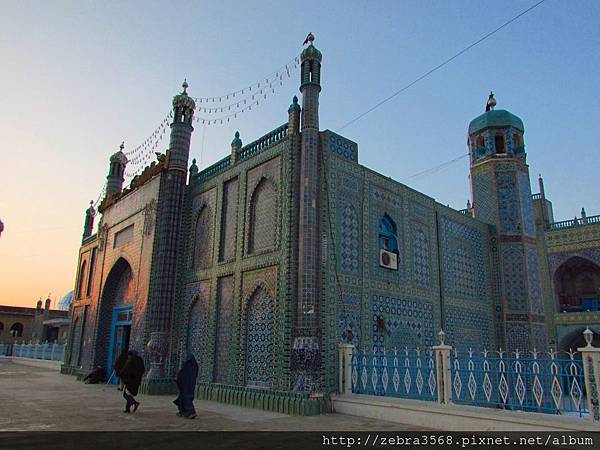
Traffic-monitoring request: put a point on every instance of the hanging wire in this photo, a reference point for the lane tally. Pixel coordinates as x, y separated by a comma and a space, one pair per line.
439, 66
273, 76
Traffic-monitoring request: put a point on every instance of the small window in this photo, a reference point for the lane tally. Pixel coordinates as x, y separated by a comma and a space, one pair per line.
88, 290
387, 235
499, 142
123, 237
1, 328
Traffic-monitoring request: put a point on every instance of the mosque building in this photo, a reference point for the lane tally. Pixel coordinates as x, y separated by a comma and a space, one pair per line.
263, 263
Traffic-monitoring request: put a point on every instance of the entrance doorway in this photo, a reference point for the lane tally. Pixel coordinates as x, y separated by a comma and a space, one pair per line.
119, 337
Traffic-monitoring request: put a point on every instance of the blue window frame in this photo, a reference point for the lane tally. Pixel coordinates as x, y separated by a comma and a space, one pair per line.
387, 235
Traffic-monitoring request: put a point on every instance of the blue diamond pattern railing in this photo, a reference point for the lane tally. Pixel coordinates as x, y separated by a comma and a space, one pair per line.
541, 383
406, 374
47, 350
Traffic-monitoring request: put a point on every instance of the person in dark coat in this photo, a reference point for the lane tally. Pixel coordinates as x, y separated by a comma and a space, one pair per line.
132, 377
118, 366
186, 383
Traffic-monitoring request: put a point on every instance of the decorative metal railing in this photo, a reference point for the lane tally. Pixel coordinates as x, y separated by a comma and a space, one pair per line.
47, 351
266, 141
574, 222
213, 170
407, 374
540, 383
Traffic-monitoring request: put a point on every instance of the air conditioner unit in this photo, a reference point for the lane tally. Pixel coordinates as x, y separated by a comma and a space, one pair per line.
388, 260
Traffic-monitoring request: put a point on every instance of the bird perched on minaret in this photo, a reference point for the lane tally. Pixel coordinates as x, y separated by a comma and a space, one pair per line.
1, 227
489, 106
309, 39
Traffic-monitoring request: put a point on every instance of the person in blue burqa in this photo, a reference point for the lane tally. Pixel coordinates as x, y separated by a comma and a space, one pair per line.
186, 383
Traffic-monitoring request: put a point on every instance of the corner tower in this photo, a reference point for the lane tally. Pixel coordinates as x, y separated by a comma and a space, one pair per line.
306, 358
502, 197
168, 236
116, 172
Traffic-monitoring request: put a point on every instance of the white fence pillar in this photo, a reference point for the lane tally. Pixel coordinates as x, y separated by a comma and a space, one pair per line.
590, 358
443, 369
345, 369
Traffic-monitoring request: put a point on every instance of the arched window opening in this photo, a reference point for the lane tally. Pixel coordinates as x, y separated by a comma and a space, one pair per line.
263, 215
1, 328
16, 330
499, 143
577, 285
518, 140
480, 143
80, 282
387, 235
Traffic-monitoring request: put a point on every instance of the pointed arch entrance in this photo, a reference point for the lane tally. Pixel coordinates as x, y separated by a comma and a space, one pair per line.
115, 315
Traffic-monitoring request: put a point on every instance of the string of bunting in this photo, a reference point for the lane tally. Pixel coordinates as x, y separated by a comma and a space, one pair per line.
278, 75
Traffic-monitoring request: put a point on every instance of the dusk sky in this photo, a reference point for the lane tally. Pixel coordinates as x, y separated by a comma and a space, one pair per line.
77, 78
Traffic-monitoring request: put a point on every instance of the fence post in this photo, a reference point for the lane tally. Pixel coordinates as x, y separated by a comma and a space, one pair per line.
345, 369
590, 358
53, 350
443, 369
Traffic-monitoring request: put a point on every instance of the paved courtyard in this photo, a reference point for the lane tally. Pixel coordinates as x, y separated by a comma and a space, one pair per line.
41, 399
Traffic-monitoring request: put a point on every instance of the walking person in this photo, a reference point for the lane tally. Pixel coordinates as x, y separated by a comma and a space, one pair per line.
118, 366
186, 383
132, 377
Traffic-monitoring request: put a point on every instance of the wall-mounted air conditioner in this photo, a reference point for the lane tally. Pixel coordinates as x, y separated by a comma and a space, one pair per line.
388, 260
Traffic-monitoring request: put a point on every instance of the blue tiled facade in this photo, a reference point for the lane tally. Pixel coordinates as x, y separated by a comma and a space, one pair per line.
289, 246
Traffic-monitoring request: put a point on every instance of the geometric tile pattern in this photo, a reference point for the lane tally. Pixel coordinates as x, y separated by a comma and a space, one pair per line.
263, 217
399, 323
484, 197
464, 260
465, 328
421, 256
349, 329
196, 329
519, 336
224, 329
513, 268
203, 239
259, 340
349, 240
508, 203
229, 220
535, 287
526, 204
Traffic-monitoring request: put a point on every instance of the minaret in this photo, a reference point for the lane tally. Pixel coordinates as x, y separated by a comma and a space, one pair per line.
502, 197
306, 346
168, 229
116, 172
236, 146
88, 226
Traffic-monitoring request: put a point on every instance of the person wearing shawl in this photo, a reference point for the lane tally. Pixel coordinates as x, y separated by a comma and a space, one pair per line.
186, 383
132, 377
119, 365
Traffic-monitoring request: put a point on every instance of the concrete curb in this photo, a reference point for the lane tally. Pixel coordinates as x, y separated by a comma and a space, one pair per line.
41, 363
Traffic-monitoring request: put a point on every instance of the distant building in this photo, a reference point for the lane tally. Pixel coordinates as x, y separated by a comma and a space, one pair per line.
264, 262
22, 324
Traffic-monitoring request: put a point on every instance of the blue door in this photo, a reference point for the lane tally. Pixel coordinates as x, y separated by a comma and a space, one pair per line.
119, 337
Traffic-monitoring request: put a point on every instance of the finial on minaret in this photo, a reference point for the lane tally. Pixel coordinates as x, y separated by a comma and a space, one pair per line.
468, 204
309, 39
122, 146
491, 103
541, 185
184, 86
583, 214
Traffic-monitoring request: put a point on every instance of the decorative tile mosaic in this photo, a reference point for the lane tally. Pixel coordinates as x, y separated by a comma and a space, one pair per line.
349, 237
421, 255
508, 203
398, 323
534, 281
526, 204
224, 328
349, 329
465, 328
514, 273
259, 340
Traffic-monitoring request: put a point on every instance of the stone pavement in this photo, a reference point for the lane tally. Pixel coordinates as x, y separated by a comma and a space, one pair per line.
33, 398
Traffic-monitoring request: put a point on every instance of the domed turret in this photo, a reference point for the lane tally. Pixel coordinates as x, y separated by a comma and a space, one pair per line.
116, 173
183, 106
496, 132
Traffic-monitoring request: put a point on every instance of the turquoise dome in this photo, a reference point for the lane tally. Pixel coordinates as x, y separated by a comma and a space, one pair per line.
495, 118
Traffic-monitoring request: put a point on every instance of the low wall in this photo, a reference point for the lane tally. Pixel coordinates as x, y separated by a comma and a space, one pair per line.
454, 417
42, 363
